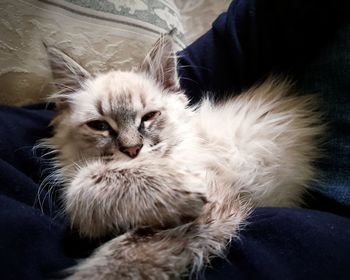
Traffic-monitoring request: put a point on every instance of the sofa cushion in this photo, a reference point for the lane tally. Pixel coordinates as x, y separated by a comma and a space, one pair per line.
101, 35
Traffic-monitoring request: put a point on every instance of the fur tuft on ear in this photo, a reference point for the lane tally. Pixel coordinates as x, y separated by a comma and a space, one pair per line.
68, 75
160, 62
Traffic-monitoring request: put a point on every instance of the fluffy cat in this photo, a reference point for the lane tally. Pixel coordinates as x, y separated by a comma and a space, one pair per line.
173, 182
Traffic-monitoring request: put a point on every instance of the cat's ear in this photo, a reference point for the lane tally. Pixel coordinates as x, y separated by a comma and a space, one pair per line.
160, 62
68, 74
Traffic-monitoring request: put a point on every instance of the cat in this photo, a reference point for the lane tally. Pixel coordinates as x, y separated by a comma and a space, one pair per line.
174, 183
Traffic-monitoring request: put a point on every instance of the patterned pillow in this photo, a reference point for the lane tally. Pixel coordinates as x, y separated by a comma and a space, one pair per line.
100, 34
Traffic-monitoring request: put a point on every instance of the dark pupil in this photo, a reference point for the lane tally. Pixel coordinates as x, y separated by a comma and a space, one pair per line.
148, 116
99, 125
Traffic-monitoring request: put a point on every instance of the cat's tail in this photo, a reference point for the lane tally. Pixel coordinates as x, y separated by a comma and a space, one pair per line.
211, 233
168, 254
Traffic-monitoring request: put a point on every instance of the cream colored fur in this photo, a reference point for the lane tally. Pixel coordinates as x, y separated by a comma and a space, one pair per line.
199, 173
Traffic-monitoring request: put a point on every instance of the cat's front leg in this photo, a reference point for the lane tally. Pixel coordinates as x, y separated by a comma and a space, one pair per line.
167, 254
113, 197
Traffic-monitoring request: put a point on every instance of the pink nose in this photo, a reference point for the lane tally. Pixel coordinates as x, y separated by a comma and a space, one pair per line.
131, 151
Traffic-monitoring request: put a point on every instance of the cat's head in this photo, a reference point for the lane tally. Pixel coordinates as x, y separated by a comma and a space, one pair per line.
118, 114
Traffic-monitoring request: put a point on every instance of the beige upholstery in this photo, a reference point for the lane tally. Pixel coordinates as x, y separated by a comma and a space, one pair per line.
101, 35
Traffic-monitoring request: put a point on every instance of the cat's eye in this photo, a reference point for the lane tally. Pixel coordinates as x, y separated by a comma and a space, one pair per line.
150, 116
98, 125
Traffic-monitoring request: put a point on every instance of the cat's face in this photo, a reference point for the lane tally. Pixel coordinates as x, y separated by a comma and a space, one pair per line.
118, 115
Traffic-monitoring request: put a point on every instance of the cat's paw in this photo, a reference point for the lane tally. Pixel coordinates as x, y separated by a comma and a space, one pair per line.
85, 199
106, 198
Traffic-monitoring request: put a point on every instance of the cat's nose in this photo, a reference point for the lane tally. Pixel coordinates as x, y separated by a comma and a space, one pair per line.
131, 151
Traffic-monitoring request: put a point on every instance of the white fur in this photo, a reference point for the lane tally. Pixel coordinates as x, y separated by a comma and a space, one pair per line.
212, 164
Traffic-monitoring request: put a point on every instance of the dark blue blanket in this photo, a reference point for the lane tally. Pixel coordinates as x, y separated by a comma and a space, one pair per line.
308, 40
